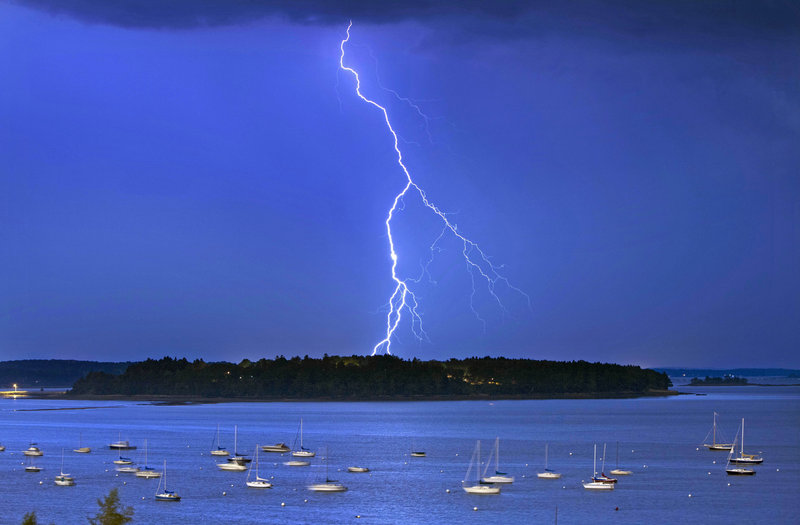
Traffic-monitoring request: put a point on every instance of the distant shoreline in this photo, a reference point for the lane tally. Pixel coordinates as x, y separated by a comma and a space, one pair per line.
191, 400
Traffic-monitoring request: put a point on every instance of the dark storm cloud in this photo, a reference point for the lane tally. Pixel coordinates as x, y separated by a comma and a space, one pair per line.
706, 19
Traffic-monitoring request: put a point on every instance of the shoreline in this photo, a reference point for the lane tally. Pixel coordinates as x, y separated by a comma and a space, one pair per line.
192, 400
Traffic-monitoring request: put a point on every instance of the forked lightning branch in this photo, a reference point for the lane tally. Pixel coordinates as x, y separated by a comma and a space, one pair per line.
403, 298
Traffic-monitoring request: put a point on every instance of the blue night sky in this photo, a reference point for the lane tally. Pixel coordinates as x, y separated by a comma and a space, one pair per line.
198, 178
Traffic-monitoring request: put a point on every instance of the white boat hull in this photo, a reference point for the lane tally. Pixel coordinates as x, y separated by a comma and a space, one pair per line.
502, 480
280, 448
220, 453
620, 472
33, 453
32, 469
148, 474
727, 447
296, 463
327, 487
167, 496
303, 454
485, 490
259, 484
64, 481
740, 471
234, 467
548, 475
128, 470
357, 469
747, 461
597, 485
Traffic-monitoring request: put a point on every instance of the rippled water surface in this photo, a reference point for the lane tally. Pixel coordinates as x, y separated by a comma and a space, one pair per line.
673, 481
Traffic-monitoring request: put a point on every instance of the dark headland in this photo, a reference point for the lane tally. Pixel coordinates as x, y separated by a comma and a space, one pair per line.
361, 378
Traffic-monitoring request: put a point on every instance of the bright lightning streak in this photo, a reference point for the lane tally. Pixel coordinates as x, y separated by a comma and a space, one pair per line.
477, 262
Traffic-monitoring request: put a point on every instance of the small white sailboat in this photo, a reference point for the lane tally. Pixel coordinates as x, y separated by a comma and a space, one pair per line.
302, 452
166, 495
30, 467
714, 445
742, 458
64, 480
330, 485
497, 477
237, 463
547, 474
257, 482
123, 461
602, 478
147, 472
33, 450
357, 469
81, 449
476, 487
737, 471
237, 458
619, 471
219, 450
594, 484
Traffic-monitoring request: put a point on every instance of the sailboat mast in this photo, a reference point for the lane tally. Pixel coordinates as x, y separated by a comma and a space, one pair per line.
714, 430
545, 455
594, 463
496, 454
741, 453
478, 462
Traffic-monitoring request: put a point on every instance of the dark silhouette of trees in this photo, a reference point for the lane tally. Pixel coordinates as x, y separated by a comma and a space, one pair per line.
378, 377
111, 513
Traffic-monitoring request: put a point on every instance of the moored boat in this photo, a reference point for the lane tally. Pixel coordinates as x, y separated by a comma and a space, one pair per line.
278, 447
548, 473
330, 485
742, 458
33, 450
64, 480
476, 487
302, 452
594, 484
498, 477
257, 482
165, 495
714, 445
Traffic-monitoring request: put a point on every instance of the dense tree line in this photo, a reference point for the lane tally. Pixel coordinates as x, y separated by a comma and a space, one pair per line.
361, 377
35, 373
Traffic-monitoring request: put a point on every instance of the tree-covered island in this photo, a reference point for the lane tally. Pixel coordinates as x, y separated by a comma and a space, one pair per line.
373, 378
718, 381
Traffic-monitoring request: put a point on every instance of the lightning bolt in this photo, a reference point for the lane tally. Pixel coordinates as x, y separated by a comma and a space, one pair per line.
478, 263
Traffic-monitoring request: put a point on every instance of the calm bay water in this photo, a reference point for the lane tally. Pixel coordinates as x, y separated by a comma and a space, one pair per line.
659, 440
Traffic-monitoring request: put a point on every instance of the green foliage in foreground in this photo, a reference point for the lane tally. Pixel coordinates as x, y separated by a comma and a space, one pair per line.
111, 513
361, 377
30, 518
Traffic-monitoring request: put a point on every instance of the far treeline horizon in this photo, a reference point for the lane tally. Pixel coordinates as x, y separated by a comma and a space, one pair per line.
338, 377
